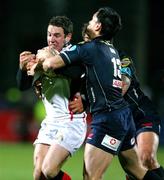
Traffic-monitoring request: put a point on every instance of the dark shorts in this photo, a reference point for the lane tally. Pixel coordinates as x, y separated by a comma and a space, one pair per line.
112, 131
146, 119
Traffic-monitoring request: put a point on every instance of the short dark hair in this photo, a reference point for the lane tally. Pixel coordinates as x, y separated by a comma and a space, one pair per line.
110, 21
63, 22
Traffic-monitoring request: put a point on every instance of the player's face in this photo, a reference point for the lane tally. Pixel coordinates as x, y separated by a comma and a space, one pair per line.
86, 38
93, 21
93, 26
55, 37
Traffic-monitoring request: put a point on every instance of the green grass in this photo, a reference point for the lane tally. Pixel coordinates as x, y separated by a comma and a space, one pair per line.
16, 163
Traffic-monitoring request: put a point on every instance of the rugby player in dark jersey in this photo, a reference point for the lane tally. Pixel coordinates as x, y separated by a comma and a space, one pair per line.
112, 124
146, 118
144, 114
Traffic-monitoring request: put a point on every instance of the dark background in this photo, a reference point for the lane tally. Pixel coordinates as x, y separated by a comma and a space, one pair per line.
24, 27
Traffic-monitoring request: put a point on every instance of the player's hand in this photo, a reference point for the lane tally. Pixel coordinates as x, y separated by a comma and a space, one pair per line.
46, 57
76, 106
47, 64
31, 70
45, 52
24, 58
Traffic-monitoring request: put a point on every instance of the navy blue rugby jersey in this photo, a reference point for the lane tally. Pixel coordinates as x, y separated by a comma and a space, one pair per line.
103, 73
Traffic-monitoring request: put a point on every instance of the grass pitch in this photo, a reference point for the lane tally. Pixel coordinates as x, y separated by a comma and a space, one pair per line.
16, 163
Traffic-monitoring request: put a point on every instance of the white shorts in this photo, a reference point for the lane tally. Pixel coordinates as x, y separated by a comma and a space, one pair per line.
68, 132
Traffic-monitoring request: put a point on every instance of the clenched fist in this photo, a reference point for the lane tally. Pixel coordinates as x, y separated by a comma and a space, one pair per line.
24, 58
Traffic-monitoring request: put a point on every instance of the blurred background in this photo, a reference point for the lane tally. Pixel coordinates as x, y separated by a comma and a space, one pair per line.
24, 27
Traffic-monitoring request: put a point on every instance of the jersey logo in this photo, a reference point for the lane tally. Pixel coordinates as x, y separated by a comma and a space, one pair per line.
111, 142
117, 83
72, 48
125, 62
59, 137
126, 71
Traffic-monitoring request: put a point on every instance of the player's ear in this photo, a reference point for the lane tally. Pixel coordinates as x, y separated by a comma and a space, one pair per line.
68, 37
98, 26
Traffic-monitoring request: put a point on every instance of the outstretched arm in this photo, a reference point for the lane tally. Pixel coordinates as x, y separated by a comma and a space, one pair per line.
49, 59
53, 62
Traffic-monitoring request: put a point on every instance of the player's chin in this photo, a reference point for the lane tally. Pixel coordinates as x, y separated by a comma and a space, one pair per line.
52, 46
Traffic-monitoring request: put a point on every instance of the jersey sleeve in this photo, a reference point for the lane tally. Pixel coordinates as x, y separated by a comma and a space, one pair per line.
71, 55
126, 71
126, 64
24, 81
125, 67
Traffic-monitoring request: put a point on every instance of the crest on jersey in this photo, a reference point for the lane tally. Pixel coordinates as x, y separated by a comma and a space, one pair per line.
72, 48
125, 62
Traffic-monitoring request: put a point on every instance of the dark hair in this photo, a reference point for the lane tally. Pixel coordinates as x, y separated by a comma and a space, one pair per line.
63, 22
110, 21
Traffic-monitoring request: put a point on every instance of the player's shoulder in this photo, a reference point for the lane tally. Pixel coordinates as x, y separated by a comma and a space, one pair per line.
81, 42
126, 60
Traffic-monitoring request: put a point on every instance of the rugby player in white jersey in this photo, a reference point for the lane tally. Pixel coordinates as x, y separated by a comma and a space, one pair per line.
63, 130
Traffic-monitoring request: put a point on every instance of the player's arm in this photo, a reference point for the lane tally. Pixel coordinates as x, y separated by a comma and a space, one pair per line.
23, 80
76, 105
24, 58
49, 60
126, 72
126, 81
53, 62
